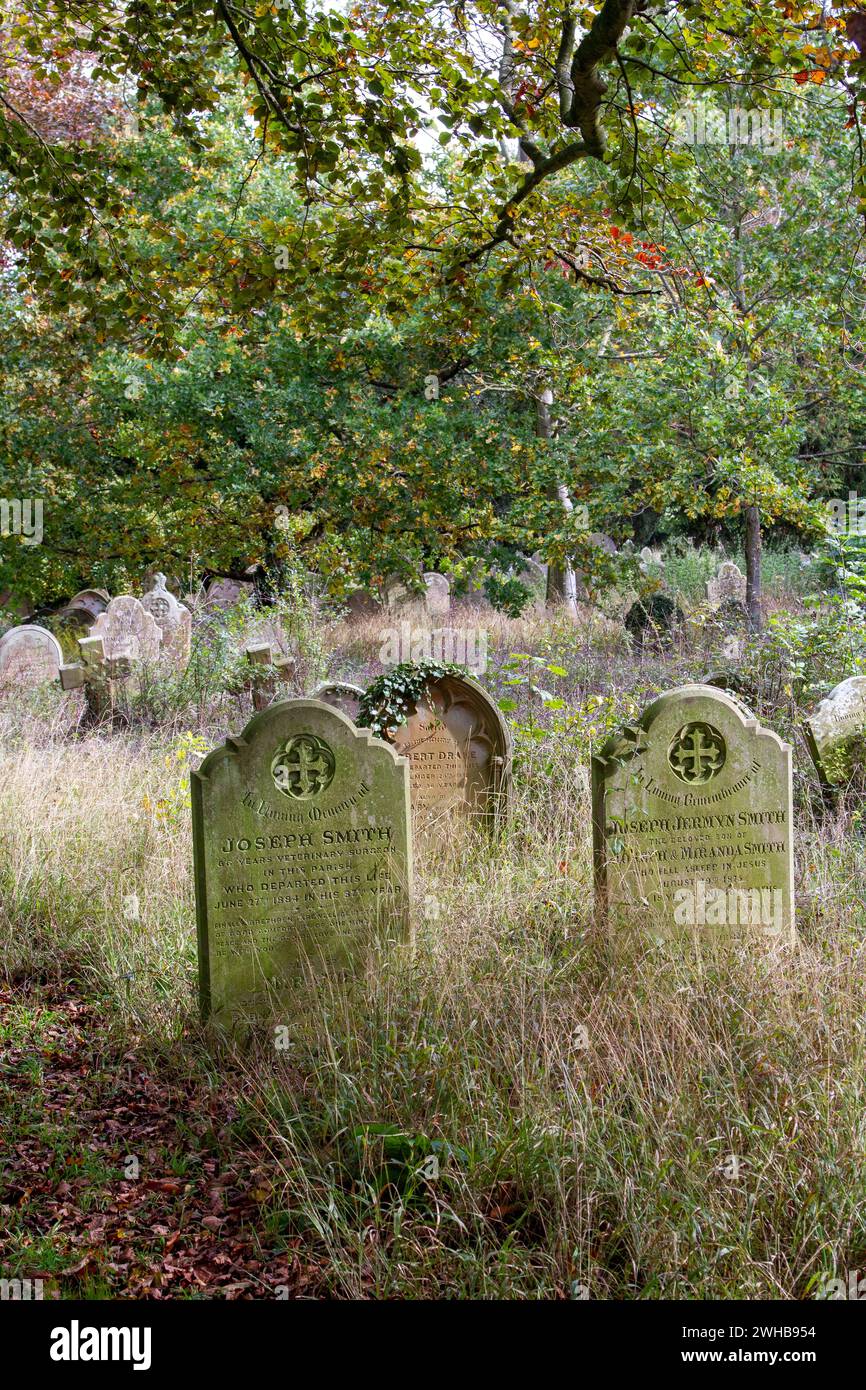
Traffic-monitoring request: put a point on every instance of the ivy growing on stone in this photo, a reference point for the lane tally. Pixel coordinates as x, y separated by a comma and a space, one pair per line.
392, 697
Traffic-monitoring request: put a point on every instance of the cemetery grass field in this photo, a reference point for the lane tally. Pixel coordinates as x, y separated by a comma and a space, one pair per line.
525, 1106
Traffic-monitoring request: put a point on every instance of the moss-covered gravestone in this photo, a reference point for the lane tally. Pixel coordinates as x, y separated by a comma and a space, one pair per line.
836, 734
692, 819
303, 854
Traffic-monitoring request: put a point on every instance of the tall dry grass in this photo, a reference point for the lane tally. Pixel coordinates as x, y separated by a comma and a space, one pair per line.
526, 1106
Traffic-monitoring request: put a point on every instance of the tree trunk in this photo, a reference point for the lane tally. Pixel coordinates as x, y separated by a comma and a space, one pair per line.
561, 582
753, 568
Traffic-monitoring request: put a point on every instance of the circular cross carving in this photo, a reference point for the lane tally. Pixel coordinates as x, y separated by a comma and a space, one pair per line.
697, 753
303, 767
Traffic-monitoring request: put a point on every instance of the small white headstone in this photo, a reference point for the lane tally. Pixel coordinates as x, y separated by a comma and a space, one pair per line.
127, 629
29, 655
174, 621
728, 586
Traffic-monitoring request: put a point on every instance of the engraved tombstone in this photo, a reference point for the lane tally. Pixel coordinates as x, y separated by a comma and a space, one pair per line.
836, 734
342, 696
459, 751
174, 621
692, 818
303, 853
29, 655
128, 630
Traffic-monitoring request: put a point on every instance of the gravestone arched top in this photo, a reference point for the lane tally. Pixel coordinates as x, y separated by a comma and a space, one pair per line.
303, 853
341, 695
128, 630
695, 798
29, 654
460, 751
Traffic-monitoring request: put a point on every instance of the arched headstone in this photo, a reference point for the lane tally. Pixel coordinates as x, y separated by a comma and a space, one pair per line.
128, 630
303, 854
341, 695
693, 819
836, 734
728, 586
29, 655
459, 751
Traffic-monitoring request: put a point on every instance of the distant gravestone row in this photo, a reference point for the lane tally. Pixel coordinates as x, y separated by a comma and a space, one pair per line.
127, 635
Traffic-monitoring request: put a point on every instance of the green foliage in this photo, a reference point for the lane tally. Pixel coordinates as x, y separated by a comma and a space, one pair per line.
390, 699
506, 594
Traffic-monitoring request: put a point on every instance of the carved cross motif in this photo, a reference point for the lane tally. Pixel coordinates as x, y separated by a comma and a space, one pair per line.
304, 767
698, 753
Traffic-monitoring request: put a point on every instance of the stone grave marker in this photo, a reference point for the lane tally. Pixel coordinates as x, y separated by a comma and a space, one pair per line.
128, 630
224, 593
82, 610
29, 655
268, 670
693, 819
459, 751
836, 734
97, 675
174, 621
438, 594
728, 586
400, 599
360, 604
303, 853
341, 695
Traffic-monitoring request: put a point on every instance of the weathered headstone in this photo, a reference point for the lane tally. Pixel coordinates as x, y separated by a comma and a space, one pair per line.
82, 610
400, 599
649, 560
362, 604
459, 751
224, 593
341, 695
174, 621
438, 588
303, 853
836, 734
728, 586
693, 818
29, 655
128, 630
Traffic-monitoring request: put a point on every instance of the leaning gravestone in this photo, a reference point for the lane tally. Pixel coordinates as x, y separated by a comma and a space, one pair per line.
174, 621
693, 818
29, 655
836, 733
128, 630
459, 751
303, 854
341, 695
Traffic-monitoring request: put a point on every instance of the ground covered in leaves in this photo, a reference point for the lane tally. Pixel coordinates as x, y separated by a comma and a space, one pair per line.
121, 1179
